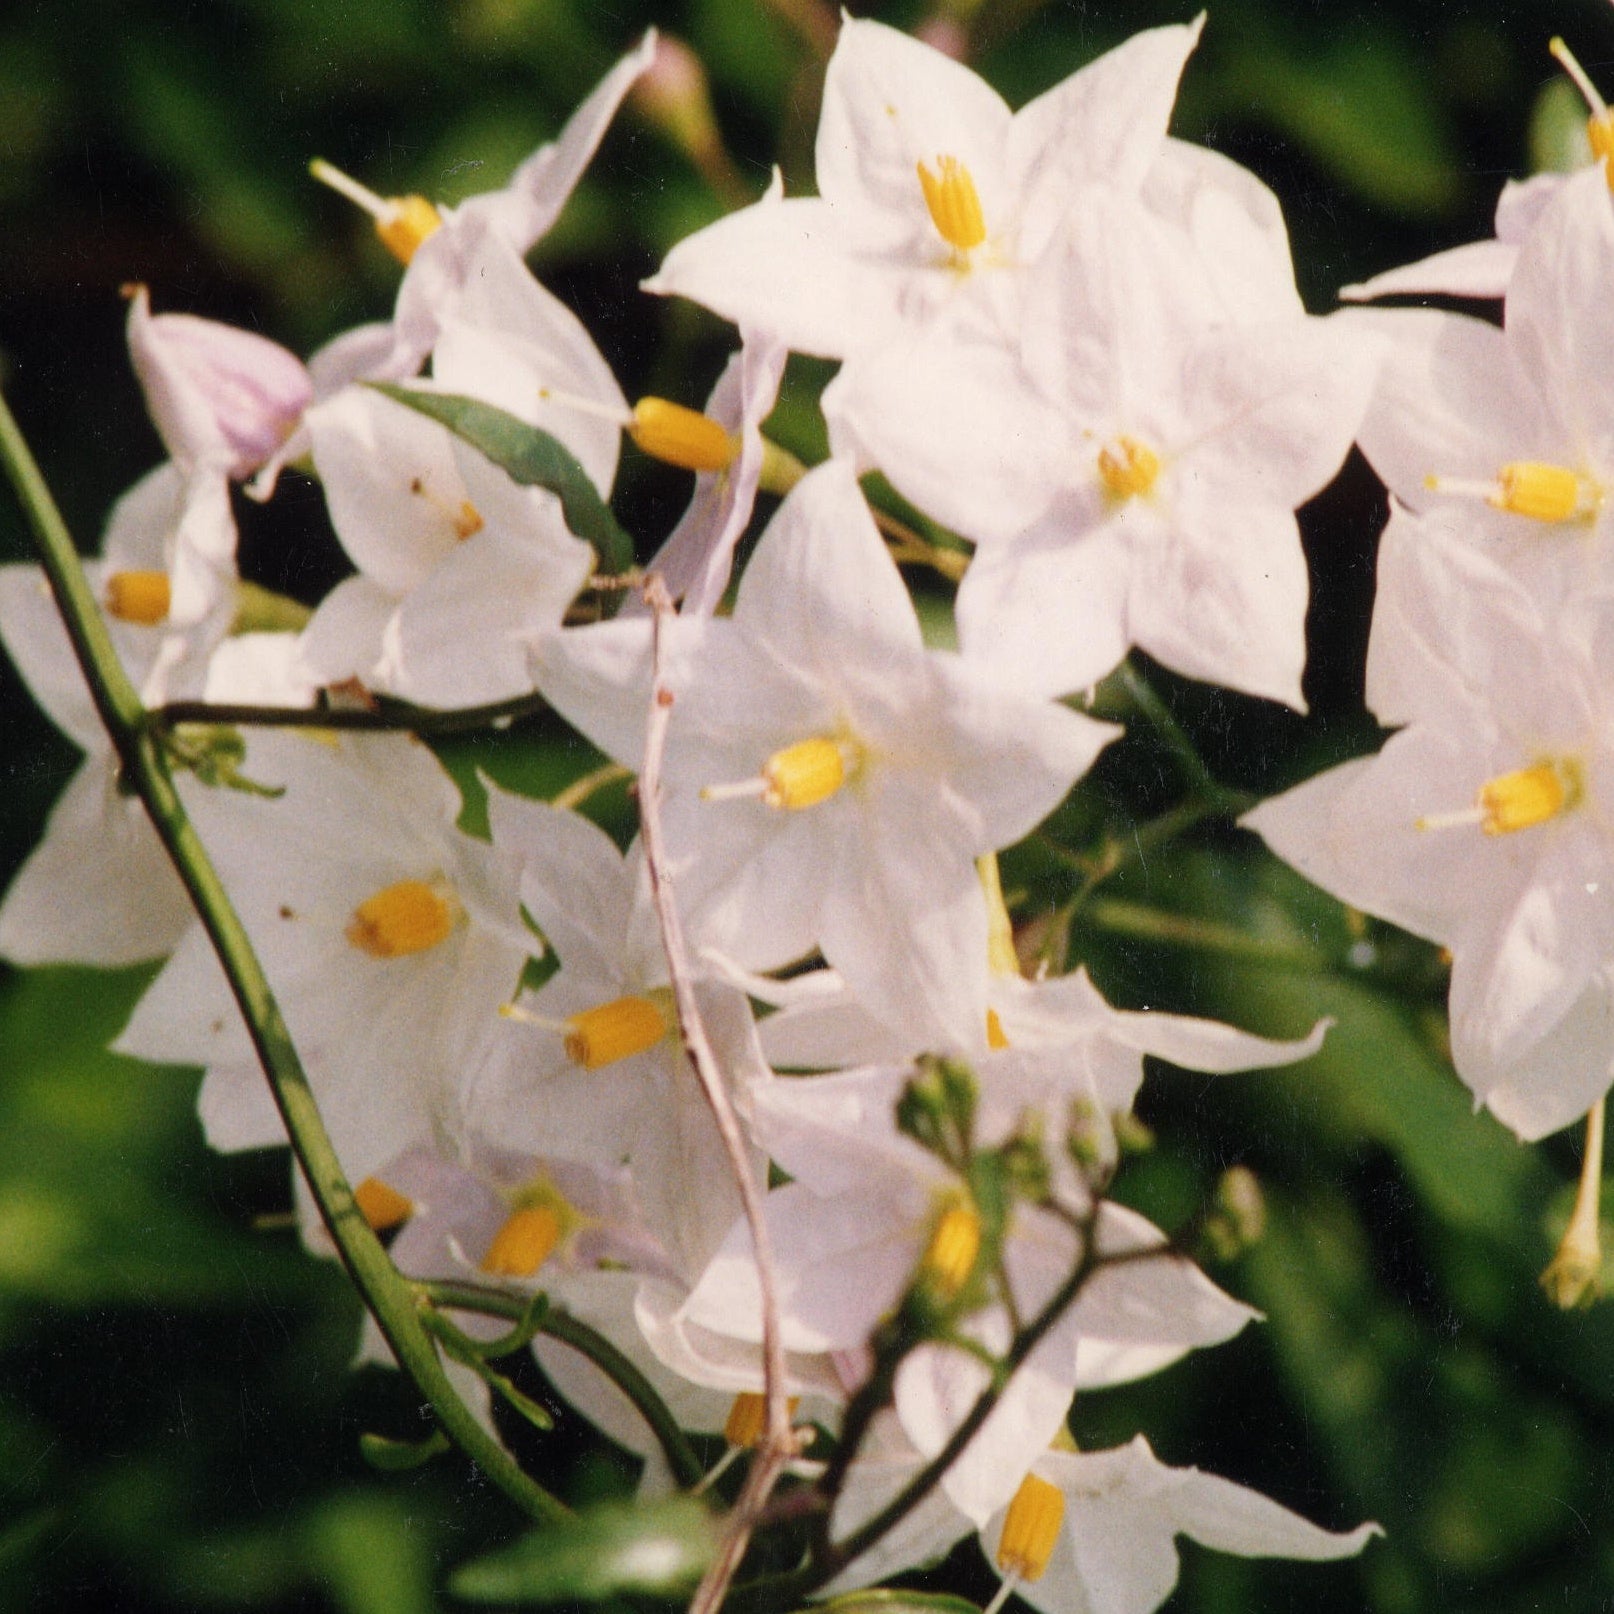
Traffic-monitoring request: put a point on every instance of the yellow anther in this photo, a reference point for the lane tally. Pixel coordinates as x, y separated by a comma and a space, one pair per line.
467, 520
402, 222
683, 437
954, 203
1544, 492
1031, 1529
142, 597
612, 1031
411, 916
955, 1246
525, 1241
996, 1036
1600, 121
806, 773
1128, 469
383, 1207
1529, 796
407, 223
748, 1417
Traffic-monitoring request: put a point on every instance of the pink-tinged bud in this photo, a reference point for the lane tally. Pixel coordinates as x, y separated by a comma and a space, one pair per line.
218, 396
673, 95
946, 34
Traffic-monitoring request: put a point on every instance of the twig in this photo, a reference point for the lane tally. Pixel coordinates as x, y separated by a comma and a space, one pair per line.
140, 750
557, 1323
777, 1444
390, 716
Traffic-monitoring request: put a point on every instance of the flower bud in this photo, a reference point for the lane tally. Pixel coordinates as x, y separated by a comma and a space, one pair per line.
218, 395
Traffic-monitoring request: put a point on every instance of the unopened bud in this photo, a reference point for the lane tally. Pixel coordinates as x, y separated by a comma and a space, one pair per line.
217, 395
673, 95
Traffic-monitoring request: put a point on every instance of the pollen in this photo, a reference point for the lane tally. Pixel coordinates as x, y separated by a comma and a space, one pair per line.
411, 916
748, 1417
1031, 1529
954, 1248
382, 1206
683, 437
525, 1241
954, 203
617, 1030
1529, 796
139, 597
806, 773
1128, 469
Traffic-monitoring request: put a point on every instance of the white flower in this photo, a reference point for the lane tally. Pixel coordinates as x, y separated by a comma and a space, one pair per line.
929, 187
459, 568
1513, 427
829, 781
1484, 824
851, 1228
1132, 477
389, 937
1117, 1514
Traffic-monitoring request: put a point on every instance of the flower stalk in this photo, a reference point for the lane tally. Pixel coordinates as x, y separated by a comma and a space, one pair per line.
138, 741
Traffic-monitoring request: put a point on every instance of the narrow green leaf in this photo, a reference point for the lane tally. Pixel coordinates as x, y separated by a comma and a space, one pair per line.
531, 457
399, 1456
896, 1601
619, 1548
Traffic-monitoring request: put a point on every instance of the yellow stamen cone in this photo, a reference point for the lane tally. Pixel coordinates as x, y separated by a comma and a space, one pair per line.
1128, 469
748, 1417
1031, 1529
408, 917
682, 437
996, 1036
527, 1239
804, 774
409, 221
468, 520
140, 597
1550, 493
383, 1207
612, 1031
1530, 796
955, 1246
954, 203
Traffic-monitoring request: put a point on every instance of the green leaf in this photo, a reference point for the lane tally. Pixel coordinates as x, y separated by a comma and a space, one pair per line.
399, 1456
882, 1601
612, 1549
531, 457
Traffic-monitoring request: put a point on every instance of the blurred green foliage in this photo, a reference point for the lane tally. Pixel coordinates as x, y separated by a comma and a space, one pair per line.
178, 1426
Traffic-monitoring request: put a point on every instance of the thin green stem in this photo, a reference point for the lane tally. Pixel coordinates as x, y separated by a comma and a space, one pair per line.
1164, 722
559, 1324
389, 1298
387, 716
1204, 935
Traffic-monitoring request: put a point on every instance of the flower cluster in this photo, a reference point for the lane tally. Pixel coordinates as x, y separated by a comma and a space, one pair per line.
1483, 824
1075, 342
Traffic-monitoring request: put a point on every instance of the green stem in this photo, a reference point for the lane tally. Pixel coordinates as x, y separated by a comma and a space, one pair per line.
389, 715
389, 1298
561, 1325
1164, 722
1205, 935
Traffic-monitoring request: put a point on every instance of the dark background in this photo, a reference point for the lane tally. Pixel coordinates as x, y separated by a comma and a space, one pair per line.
178, 1428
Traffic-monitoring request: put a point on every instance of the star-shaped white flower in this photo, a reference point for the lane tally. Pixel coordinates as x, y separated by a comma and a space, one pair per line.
829, 781
390, 939
1484, 823
928, 186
